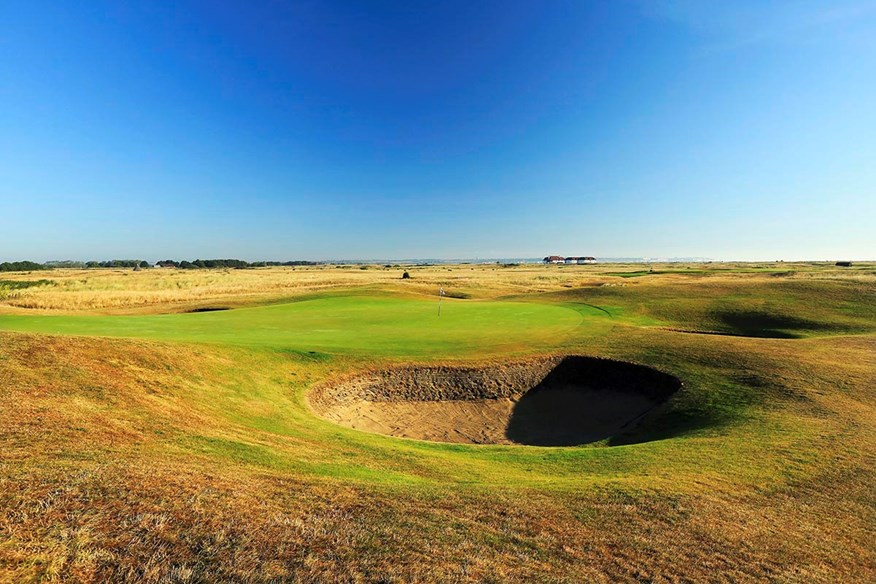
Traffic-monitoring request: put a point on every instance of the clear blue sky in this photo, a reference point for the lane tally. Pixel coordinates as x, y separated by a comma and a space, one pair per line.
318, 130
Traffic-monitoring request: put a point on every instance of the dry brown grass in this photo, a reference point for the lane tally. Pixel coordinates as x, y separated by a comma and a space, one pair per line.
170, 289
94, 486
135, 461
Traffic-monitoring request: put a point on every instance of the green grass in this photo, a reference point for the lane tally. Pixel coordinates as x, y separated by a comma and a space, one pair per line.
355, 324
363, 327
22, 284
9, 286
758, 308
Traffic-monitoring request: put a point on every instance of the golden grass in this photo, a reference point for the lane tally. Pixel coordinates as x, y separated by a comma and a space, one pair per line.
134, 461
170, 289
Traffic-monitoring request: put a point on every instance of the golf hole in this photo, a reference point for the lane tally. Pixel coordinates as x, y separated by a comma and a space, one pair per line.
553, 401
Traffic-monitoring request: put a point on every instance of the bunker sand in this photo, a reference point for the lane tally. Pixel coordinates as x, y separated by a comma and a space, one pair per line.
558, 401
554, 418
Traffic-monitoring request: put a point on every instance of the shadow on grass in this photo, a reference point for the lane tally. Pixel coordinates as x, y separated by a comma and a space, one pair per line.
670, 424
768, 325
710, 406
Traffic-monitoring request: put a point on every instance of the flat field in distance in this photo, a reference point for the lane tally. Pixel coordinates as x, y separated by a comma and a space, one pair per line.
155, 426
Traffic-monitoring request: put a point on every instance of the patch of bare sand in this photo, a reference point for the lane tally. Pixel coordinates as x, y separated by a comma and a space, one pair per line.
557, 401
551, 417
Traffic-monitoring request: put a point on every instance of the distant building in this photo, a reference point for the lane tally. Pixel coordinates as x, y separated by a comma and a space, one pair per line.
579, 260
569, 260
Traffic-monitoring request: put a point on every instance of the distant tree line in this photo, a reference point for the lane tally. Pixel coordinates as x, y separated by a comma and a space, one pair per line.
27, 266
64, 264
118, 264
228, 263
24, 266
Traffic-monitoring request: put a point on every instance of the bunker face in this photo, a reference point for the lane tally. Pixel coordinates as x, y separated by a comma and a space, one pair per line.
557, 401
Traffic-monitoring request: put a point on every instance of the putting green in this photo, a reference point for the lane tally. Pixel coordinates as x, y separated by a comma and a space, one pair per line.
347, 324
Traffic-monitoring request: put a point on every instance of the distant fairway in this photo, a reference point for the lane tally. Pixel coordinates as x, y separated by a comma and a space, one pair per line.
344, 324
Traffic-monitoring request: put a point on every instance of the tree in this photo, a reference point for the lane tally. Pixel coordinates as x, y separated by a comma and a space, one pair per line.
23, 266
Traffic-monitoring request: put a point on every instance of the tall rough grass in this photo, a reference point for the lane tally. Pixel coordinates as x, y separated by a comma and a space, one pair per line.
107, 289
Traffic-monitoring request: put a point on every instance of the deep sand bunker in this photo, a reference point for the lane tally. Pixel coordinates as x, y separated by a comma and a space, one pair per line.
555, 401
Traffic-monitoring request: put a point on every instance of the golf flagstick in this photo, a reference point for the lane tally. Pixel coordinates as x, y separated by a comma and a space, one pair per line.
440, 296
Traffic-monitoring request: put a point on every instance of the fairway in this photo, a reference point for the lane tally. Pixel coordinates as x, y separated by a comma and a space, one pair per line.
345, 324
